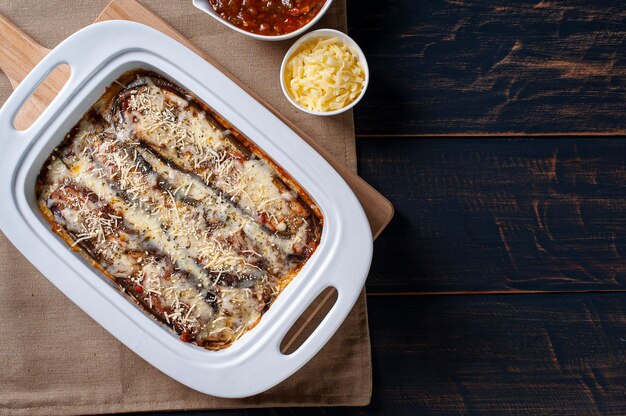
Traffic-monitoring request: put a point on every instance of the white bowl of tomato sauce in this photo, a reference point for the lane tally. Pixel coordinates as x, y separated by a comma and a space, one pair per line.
271, 20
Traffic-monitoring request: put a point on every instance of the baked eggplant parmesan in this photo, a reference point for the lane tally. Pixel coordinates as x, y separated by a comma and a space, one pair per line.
188, 217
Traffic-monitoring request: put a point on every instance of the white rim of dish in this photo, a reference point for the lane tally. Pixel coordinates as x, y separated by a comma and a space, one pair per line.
354, 47
205, 7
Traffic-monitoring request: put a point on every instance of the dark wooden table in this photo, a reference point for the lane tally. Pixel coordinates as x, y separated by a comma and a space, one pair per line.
497, 130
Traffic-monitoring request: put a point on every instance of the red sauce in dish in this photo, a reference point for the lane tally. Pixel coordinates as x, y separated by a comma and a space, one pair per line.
268, 17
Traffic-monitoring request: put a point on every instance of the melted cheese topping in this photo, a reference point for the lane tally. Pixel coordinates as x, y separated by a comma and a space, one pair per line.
180, 132
324, 75
202, 235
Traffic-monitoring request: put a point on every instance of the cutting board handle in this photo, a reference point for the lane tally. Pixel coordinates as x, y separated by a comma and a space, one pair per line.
19, 53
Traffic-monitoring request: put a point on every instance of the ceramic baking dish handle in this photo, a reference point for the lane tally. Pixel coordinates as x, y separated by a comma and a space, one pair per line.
14, 140
275, 366
82, 55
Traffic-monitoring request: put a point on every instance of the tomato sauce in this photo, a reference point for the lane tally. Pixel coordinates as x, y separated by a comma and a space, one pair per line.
268, 17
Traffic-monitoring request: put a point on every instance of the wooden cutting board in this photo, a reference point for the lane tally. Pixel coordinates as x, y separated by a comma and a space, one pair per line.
19, 54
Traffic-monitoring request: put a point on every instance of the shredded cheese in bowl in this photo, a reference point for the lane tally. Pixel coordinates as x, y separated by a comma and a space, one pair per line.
324, 75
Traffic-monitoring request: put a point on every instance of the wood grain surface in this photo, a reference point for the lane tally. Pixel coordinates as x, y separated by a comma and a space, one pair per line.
492, 66
541, 214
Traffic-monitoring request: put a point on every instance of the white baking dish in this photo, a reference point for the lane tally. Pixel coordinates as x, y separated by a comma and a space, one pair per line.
97, 55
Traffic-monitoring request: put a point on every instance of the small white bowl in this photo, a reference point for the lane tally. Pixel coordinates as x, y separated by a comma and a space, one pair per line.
205, 7
326, 33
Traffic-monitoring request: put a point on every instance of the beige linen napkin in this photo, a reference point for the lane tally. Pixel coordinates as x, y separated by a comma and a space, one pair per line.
55, 360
